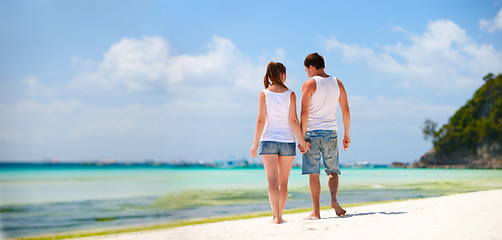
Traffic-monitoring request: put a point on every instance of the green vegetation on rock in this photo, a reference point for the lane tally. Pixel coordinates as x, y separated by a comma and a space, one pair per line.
473, 135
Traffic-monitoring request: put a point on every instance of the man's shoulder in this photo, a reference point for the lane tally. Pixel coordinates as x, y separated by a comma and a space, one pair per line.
310, 82
340, 85
309, 85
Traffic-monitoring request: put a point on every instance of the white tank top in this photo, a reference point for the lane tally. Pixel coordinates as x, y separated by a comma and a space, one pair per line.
277, 127
322, 109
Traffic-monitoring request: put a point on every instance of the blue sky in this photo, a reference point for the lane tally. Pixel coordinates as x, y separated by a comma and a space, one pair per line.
179, 80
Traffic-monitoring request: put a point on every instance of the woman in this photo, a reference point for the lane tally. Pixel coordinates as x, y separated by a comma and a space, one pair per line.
276, 127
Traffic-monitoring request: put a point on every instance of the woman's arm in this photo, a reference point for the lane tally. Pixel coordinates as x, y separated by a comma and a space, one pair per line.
295, 125
260, 123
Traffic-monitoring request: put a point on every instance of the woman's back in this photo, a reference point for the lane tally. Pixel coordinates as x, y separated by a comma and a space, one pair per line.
277, 126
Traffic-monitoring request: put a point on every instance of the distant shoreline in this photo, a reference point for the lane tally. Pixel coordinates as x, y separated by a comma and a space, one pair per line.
6, 164
161, 165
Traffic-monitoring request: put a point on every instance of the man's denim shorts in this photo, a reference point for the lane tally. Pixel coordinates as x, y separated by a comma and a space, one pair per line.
279, 148
325, 143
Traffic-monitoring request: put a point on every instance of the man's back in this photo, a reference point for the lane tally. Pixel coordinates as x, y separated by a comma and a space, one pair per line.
323, 104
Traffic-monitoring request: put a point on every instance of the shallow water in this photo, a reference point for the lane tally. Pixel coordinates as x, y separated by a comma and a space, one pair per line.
49, 199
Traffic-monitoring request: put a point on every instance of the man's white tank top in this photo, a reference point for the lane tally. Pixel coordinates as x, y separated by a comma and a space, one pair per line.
322, 109
277, 127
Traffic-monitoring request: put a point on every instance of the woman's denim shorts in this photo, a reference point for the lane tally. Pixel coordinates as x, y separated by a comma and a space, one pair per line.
279, 148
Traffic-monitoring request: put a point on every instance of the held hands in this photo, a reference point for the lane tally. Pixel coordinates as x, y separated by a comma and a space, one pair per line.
303, 146
346, 142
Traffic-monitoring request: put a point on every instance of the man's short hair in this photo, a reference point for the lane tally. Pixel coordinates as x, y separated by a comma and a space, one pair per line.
315, 60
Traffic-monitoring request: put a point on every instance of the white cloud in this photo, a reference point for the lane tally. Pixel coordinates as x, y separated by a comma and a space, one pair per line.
206, 93
73, 130
9, 135
383, 107
35, 88
33, 121
444, 57
54, 106
130, 64
395, 115
491, 25
148, 64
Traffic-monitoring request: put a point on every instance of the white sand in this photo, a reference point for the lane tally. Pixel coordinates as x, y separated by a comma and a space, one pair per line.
475, 215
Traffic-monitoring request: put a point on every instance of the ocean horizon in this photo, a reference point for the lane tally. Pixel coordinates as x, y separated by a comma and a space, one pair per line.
47, 199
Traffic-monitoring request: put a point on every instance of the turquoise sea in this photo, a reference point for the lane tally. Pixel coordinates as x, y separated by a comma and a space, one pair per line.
45, 199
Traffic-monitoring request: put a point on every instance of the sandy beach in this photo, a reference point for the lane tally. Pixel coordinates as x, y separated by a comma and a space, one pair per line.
475, 215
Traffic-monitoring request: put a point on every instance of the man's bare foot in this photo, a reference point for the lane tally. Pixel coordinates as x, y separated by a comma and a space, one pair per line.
313, 216
338, 210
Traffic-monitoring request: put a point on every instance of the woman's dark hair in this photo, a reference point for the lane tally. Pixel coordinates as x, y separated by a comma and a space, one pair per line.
273, 75
315, 60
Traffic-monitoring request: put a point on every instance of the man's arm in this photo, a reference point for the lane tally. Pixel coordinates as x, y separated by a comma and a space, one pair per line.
308, 89
344, 105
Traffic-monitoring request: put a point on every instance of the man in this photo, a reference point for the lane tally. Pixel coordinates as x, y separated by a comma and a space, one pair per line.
321, 95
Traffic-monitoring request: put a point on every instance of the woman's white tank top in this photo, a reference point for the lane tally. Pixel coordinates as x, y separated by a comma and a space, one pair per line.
322, 109
277, 126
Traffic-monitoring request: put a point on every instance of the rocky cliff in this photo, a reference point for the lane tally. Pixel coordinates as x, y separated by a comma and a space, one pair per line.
472, 138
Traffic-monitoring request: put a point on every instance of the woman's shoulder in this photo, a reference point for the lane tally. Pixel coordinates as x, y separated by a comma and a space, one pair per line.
277, 89
292, 94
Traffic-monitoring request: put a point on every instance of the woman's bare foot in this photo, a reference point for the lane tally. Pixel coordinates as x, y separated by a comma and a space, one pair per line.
338, 210
277, 220
313, 216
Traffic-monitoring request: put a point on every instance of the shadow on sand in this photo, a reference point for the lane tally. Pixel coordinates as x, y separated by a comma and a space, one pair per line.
349, 215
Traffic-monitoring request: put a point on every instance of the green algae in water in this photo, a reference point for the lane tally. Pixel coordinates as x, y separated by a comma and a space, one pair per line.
105, 219
385, 184
193, 198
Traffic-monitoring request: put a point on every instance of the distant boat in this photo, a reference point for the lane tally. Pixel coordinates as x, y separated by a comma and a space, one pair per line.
359, 164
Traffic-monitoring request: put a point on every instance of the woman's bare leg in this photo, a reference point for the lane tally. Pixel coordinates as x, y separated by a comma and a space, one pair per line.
285, 164
271, 165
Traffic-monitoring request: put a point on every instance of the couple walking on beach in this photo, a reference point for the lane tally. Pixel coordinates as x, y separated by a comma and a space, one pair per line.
277, 125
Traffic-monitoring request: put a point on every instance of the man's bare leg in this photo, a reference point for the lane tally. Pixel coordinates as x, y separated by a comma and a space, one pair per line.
315, 192
333, 189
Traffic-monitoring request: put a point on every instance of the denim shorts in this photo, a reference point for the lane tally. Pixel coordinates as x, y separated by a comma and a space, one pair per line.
279, 148
323, 145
